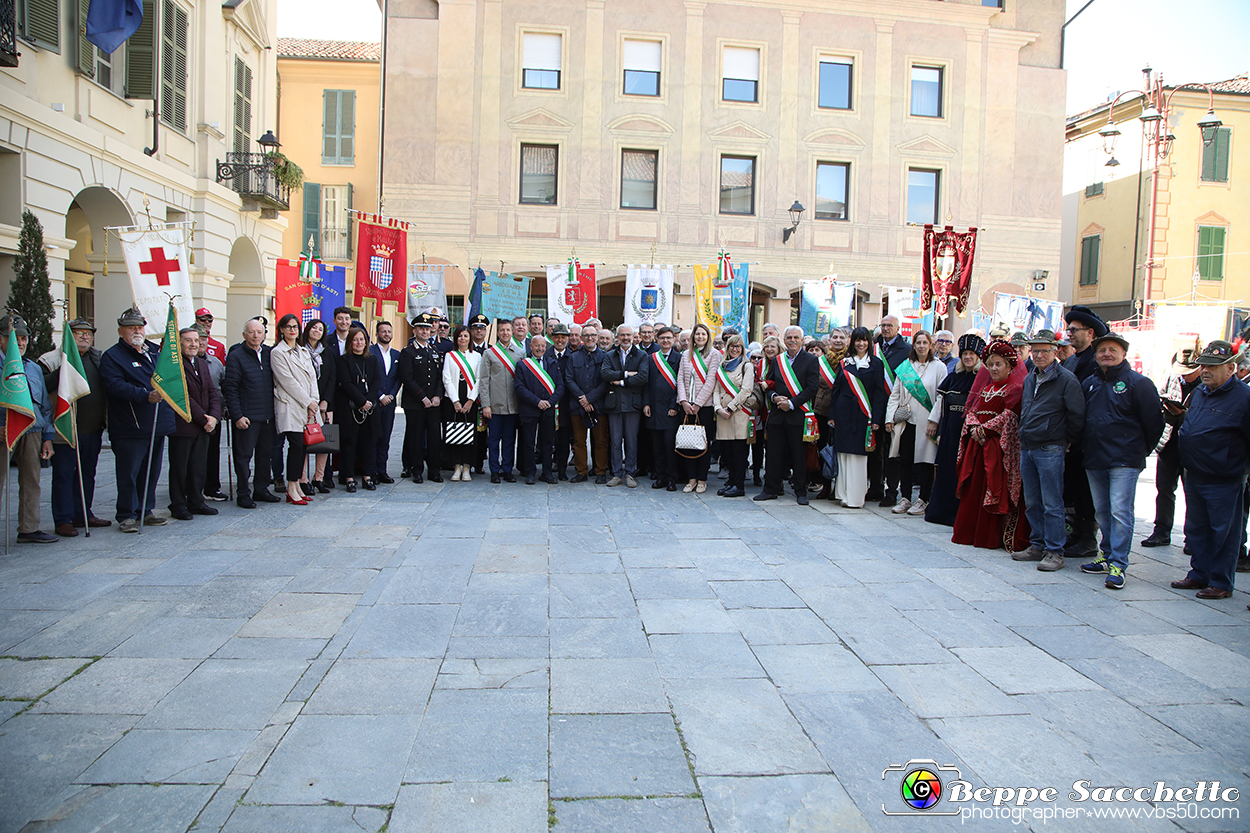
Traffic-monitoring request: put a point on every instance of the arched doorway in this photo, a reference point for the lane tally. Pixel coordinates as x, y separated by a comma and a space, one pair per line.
91, 294
248, 296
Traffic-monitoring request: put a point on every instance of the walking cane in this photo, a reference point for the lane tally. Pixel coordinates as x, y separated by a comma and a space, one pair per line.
147, 474
228, 430
8, 459
82, 493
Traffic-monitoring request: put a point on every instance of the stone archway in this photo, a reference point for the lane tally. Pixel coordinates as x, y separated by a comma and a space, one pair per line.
248, 295
93, 295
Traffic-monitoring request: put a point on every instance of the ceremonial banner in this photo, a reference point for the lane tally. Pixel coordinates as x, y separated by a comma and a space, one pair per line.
474, 305
298, 289
903, 307
381, 258
946, 274
648, 295
572, 295
721, 293
169, 377
504, 296
71, 387
1019, 312
332, 290
427, 287
825, 304
157, 262
19, 412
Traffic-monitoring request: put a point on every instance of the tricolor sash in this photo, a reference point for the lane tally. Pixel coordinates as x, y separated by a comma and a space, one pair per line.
889, 371
861, 397
543, 377
728, 384
811, 430
827, 372
519, 345
700, 366
462, 361
911, 381
662, 365
507, 360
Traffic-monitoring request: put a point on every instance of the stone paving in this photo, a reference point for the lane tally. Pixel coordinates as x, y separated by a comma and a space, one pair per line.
469, 657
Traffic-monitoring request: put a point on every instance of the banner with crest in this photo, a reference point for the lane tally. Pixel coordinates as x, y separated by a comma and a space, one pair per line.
381, 258
825, 304
572, 294
946, 275
504, 296
722, 294
648, 295
156, 259
427, 287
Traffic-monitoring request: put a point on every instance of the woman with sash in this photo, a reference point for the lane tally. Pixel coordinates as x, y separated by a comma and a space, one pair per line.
696, 381
907, 420
359, 379
734, 401
989, 488
946, 421
830, 365
460, 386
857, 409
764, 385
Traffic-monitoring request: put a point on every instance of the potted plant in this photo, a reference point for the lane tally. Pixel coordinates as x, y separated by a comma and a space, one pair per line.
285, 172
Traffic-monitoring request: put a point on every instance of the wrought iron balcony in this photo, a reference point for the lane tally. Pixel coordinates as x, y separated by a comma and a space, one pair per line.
8, 33
252, 176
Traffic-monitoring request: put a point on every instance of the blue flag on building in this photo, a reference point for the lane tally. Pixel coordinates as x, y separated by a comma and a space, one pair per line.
332, 290
474, 307
502, 296
111, 22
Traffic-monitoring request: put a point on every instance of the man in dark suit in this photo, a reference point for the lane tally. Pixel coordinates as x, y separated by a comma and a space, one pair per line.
248, 391
797, 375
336, 342
421, 382
893, 349
659, 407
586, 388
539, 389
625, 370
478, 327
388, 365
562, 350
188, 446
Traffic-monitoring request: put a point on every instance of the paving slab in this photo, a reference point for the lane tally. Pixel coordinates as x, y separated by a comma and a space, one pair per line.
226, 694
469, 735
470, 808
116, 685
671, 815
322, 818
1024, 670
170, 756
179, 637
374, 686
142, 808
27, 679
403, 631
616, 755
685, 616
619, 684
781, 804
707, 655
494, 673
598, 638
301, 614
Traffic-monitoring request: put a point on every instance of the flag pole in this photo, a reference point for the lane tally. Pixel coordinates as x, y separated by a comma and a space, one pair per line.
82, 493
147, 475
8, 461
227, 430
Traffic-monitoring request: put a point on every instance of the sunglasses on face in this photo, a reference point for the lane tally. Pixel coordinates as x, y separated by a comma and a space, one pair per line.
207, 318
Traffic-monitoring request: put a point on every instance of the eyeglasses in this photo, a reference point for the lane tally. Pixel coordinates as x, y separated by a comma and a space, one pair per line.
945, 341
1073, 329
207, 318
290, 326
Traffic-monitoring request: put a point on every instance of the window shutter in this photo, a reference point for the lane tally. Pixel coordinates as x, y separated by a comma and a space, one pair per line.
180, 68
742, 64
312, 217
42, 23
347, 126
330, 126
541, 51
1211, 252
141, 56
642, 55
347, 219
1223, 138
84, 49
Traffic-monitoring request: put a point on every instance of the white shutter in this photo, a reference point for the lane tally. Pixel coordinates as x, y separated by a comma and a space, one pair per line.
741, 63
643, 55
541, 51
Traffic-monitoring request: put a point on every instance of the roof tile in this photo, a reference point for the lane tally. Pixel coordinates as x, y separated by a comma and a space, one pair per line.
329, 50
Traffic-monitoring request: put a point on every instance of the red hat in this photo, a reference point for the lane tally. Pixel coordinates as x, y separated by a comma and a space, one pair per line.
202, 311
1000, 348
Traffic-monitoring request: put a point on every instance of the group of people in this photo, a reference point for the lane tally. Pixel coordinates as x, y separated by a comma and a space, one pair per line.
1002, 439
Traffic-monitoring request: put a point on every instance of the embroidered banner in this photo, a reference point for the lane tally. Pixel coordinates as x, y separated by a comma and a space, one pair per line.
504, 296
826, 304
572, 294
156, 260
946, 274
648, 295
381, 258
427, 287
722, 295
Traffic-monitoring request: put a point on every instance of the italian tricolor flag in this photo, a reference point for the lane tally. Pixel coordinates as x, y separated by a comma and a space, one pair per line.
73, 386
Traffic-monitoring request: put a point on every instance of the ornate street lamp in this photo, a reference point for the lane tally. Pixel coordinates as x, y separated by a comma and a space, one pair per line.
796, 214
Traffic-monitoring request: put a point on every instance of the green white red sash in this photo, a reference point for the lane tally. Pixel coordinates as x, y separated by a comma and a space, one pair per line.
700, 366
728, 384
666, 371
889, 371
827, 372
507, 360
810, 428
543, 377
911, 381
861, 397
462, 361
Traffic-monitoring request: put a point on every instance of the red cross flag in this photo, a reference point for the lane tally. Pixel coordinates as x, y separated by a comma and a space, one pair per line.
157, 262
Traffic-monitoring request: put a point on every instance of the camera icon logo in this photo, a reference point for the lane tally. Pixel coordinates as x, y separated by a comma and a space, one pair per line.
920, 787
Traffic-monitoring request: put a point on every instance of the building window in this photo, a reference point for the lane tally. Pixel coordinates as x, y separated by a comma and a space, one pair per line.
539, 166
174, 26
336, 237
922, 196
741, 74
1215, 157
737, 185
1211, 252
642, 67
540, 61
1090, 247
638, 178
831, 180
108, 69
242, 106
39, 22
926, 92
338, 128
1093, 189
993, 4
835, 85
455, 309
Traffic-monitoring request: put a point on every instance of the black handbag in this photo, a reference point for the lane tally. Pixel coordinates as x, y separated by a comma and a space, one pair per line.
331, 444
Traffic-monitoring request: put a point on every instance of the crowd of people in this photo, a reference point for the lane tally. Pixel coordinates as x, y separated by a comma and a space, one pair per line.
1033, 444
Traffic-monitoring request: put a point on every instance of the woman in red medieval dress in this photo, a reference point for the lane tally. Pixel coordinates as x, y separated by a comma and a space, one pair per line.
991, 512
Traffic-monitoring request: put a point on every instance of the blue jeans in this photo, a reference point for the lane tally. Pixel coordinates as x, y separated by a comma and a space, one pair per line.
1213, 530
136, 478
501, 442
1114, 492
1041, 469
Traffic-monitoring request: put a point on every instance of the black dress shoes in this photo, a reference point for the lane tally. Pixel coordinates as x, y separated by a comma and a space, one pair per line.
435, 477
406, 473
385, 478
764, 496
246, 502
266, 497
670, 487
1157, 540
657, 484
181, 515
732, 491
509, 477
579, 478
351, 486
494, 478
416, 478
802, 500
204, 510
530, 481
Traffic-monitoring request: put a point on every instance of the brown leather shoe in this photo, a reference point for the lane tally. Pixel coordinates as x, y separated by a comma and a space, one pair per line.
66, 530
98, 523
1213, 593
1187, 584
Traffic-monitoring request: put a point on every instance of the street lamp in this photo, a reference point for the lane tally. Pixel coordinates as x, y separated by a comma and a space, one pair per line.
796, 214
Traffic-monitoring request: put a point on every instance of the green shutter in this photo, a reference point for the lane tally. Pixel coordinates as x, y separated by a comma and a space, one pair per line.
1211, 252
84, 56
347, 127
330, 127
1089, 260
312, 217
350, 189
1215, 157
242, 106
141, 56
174, 27
41, 23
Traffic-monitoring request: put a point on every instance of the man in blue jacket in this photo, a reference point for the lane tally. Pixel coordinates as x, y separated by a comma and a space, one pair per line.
539, 389
134, 405
248, 392
388, 364
1215, 455
34, 445
1123, 423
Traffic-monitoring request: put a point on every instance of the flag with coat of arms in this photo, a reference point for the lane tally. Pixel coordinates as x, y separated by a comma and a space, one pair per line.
381, 259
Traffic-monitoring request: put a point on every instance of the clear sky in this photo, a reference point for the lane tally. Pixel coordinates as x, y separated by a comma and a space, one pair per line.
1186, 40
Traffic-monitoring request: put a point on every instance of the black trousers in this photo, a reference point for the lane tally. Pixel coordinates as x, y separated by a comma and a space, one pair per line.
786, 454
757, 454
423, 439
537, 444
1167, 475
664, 454
212, 464
356, 442
385, 415
697, 468
645, 454
564, 443
254, 441
883, 471
735, 454
1076, 488
295, 456
188, 457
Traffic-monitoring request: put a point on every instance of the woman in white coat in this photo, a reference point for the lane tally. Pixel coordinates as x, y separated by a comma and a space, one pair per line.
460, 386
907, 418
296, 401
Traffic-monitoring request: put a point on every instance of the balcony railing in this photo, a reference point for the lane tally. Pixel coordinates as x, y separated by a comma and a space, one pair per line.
8, 33
252, 177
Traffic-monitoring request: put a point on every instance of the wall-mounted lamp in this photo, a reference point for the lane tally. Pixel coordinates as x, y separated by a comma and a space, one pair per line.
796, 214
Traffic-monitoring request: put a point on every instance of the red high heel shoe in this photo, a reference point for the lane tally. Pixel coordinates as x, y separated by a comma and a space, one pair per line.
301, 502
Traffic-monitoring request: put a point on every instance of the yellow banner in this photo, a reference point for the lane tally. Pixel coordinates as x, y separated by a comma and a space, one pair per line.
705, 310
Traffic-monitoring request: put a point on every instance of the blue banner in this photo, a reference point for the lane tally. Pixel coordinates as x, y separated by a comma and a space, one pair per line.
824, 306
504, 297
332, 290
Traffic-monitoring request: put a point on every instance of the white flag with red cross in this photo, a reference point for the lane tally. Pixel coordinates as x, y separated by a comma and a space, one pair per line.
157, 262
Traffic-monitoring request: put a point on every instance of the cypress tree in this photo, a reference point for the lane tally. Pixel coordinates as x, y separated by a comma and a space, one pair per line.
30, 293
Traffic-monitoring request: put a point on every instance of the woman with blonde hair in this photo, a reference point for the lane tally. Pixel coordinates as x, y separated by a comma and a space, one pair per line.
907, 420
696, 381
734, 402
296, 403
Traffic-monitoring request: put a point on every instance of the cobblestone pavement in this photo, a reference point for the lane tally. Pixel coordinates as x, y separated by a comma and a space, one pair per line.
469, 657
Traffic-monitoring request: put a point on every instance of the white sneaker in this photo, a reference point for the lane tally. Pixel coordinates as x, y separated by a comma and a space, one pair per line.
465, 475
917, 508
455, 475
902, 506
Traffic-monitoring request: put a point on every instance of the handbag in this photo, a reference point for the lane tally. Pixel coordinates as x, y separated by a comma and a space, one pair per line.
313, 434
459, 432
903, 413
691, 436
329, 440
829, 463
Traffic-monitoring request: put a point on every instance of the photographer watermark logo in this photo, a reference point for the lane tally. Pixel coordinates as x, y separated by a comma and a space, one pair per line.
920, 788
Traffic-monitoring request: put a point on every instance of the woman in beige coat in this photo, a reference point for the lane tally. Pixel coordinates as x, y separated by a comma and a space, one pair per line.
296, 402
734, 402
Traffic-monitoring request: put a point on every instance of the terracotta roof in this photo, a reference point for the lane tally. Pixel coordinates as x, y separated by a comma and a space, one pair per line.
1239, 84
329, 50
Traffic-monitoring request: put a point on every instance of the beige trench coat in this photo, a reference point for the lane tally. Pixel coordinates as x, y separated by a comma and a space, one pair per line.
294, 387
734, 428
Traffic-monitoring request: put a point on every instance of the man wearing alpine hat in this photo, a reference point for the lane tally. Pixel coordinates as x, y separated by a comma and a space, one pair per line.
1178, 388
1215, 456
1084, 326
